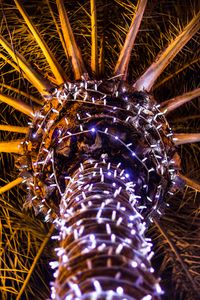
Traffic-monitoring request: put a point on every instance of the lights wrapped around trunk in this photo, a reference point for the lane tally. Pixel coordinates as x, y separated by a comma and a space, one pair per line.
101, 161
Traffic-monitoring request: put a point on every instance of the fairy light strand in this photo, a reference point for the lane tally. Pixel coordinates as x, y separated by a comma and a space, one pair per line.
99, 163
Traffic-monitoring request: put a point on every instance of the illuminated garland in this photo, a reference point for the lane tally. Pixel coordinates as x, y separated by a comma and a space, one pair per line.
99, 161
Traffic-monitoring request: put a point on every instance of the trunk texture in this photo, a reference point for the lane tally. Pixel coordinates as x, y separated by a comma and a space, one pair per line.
103, 253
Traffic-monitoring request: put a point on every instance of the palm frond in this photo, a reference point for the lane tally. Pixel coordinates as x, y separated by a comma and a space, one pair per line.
125, 54
22, 93
186, 138
72, 48
36, 258
94, 45
33, 76
54, 65
176, 247
17, 104
171, 104
12, 147
10, 185
147, 80
14, 128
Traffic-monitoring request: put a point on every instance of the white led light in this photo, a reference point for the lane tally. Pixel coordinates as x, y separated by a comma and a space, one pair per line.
120, 290
92, 237
133, 231
64, 258
97, 286
54, 264
134, 264
148, 297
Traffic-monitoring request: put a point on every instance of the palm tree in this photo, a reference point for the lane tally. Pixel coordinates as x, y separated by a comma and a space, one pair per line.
86, 102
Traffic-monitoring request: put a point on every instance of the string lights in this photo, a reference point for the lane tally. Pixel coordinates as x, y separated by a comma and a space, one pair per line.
100, 163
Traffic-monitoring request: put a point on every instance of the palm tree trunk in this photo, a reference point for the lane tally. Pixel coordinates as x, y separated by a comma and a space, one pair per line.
102, 159
103, 253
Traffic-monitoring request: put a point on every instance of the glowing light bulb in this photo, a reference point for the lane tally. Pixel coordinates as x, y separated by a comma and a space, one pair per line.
148, 297
134, 264
119, 290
